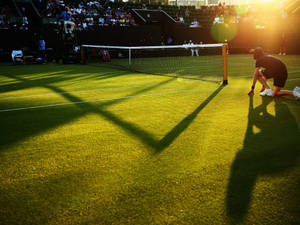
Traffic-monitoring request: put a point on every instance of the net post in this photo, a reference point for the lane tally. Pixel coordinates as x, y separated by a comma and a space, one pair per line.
83, 60
129, 56
225, 63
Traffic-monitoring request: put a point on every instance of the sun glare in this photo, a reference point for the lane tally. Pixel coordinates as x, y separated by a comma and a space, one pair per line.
261, 1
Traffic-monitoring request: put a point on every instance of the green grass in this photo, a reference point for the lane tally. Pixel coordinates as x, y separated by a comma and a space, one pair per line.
205, 67
126, 148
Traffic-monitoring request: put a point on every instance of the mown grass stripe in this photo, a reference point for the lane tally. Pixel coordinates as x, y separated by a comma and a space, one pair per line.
97, 100
76, 91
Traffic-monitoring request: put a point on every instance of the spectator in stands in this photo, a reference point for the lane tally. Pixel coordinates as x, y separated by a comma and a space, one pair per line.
3, 19
131, 20
77, 26
78, 10
24, 18
176, 18
220, 9
114, 21
84, 25
109, 11
85, 12
101, 21
42, 47
108, 19
219, 19
2, 16
195, 23
179, 18
91, 11
66, 15
282, 48
162, 40
187, 13
122, 21
61, 3
72, 10
17, 56
118, 12
23, 26
170, 40
91, 25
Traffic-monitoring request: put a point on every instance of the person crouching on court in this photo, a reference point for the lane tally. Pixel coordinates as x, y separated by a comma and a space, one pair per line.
267, 67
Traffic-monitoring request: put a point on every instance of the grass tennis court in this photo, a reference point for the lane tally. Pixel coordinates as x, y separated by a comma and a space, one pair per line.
91, 145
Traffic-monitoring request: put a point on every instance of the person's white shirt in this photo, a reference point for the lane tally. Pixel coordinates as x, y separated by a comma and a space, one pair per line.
194, 23
42, 46
194, 50
15, 53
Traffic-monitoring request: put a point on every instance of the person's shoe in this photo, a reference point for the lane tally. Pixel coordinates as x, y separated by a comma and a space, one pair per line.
296, 92
266, 92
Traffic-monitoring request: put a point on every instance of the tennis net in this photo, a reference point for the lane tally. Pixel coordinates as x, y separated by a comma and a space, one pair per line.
192, 61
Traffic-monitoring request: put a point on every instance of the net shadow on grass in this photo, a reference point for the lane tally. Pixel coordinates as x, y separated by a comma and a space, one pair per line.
147, 138
41, 123
28, 83
134, 130
267, 153
183, 124
27, 125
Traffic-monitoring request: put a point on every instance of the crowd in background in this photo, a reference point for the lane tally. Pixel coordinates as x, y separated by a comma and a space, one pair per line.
14, 23
3, 19
90, 15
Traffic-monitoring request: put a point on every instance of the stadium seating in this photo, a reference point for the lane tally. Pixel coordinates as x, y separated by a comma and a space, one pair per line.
32, 16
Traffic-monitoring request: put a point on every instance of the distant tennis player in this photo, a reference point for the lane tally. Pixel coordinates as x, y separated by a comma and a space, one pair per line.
268, 66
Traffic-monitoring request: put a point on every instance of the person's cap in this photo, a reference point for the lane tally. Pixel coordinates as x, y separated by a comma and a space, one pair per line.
258, 52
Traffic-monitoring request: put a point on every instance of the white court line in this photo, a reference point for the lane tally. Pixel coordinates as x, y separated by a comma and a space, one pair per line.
97, 100
67, 92
112, 88
242, 76
296, 71
293, 79
105, 99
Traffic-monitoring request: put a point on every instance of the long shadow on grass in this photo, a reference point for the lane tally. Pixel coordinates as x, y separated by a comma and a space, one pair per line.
32, 124
272, 150
183, 124
27, 125
146, 137
40, 82
131, 128
134, 130
43, 199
